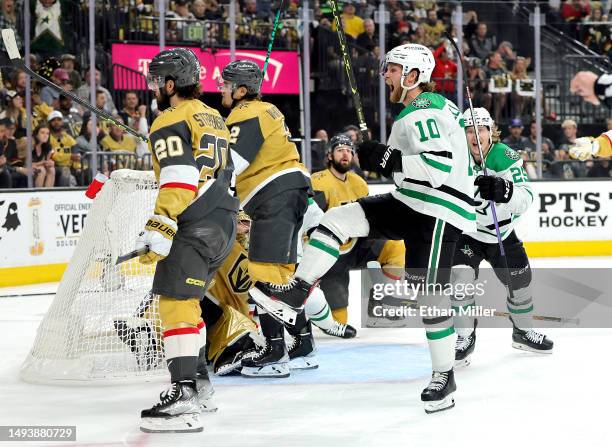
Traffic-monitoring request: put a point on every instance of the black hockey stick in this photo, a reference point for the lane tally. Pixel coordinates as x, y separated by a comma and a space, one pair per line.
484, 170
348, 66
131, 255
8, 36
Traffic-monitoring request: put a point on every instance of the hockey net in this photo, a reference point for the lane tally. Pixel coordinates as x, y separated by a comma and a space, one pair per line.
103, 324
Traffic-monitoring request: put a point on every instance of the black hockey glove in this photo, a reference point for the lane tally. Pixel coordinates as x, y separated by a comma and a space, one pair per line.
494, 188
375, 156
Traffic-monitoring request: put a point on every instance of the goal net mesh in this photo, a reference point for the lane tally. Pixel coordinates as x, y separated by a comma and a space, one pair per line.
103, 324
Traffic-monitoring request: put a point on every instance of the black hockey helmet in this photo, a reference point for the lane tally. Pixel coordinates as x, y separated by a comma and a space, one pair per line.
340, 140
243, 73
179, 64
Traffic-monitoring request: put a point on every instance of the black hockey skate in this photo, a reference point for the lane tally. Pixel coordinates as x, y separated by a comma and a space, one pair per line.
341, 330
531, 341
438, 395
283, 302
302, 350
464, 347
178, 410
270, 361
230, 360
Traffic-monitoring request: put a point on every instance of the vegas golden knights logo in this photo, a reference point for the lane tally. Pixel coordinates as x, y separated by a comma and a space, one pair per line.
239, 278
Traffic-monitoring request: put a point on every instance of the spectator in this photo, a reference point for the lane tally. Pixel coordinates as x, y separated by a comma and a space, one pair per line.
570, 133
353, 24
82, 141
365, 9
49, 95
519, 73
40, 110
433, 28
444, 73
68, 61
322, 135
478, 84
83, 92
177, 20
573, 11
5, 174
8, 19
598, 168
507, 53
498, 77
422, 8
596, 36
368, 39
42, 162
118, 141
420, 36
72, 117
470, 20
516, 140
565, 168
352, 132
213, 12
15, 111
18, 81
64, 151
481, 44
530, 145
198, 9
48, 34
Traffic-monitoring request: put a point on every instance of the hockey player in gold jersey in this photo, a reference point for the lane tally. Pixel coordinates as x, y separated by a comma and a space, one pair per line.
272, 186
336, 186
191, 231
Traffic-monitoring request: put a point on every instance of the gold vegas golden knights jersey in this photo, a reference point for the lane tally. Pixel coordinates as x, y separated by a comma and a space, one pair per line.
232, 280
261, 150
189, 144
338, 192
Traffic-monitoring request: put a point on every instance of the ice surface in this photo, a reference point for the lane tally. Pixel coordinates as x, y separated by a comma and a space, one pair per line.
365, 393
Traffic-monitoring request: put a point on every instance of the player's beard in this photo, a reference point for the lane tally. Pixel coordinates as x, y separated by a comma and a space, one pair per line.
163, 100
342, 169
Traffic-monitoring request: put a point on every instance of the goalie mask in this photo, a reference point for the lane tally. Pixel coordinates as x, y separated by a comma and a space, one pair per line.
411, 57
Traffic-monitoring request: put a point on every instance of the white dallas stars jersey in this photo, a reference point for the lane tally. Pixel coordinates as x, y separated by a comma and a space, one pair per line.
501, 161
436, 177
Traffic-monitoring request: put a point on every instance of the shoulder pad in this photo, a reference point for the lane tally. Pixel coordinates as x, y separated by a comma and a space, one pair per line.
501, 157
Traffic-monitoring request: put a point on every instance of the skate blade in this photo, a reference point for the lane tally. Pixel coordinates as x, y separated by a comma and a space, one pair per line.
440, 405
184, 423
228, 369
208, 406
374, 322
463, 363
278, 370
522, 347
303, 363
278, 310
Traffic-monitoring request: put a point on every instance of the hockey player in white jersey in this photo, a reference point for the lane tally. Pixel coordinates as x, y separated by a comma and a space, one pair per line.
507, 185
428, 158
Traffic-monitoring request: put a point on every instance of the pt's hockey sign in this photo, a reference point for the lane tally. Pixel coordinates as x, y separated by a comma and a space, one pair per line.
282, 76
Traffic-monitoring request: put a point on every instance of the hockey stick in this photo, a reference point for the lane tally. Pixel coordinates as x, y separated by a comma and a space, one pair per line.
484, 170
271, 42
131, 255
8, 36
346, 58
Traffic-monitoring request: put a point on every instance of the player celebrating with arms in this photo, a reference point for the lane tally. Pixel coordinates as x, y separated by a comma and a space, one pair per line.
192, 229
428, 159
507, 185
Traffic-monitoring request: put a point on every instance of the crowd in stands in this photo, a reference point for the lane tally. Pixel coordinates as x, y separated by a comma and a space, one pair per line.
498, 76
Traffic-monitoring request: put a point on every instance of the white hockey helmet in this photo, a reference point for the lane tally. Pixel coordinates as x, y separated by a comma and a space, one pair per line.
482, 117
411, 57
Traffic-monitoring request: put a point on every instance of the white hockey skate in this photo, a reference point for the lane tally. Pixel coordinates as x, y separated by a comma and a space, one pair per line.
178, 411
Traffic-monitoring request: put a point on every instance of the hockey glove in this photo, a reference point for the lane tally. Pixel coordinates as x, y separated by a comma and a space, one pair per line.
375, 156
584, 148
494, 188
157, 237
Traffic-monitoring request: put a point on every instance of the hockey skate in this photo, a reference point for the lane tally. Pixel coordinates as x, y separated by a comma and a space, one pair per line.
531, 341
231, 358
270, 361
178, 411
341, 330
283, 302
464, 347
205, 392
386, 312
302, 350
438, 395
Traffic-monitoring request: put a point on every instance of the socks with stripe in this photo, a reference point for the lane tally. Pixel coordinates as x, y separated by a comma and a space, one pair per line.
464, 324
320, 255
440, 333
317, 310
521, 308
182, 347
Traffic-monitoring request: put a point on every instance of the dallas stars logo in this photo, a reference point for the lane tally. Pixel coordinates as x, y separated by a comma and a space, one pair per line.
421, 103
467, 250
511, 154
